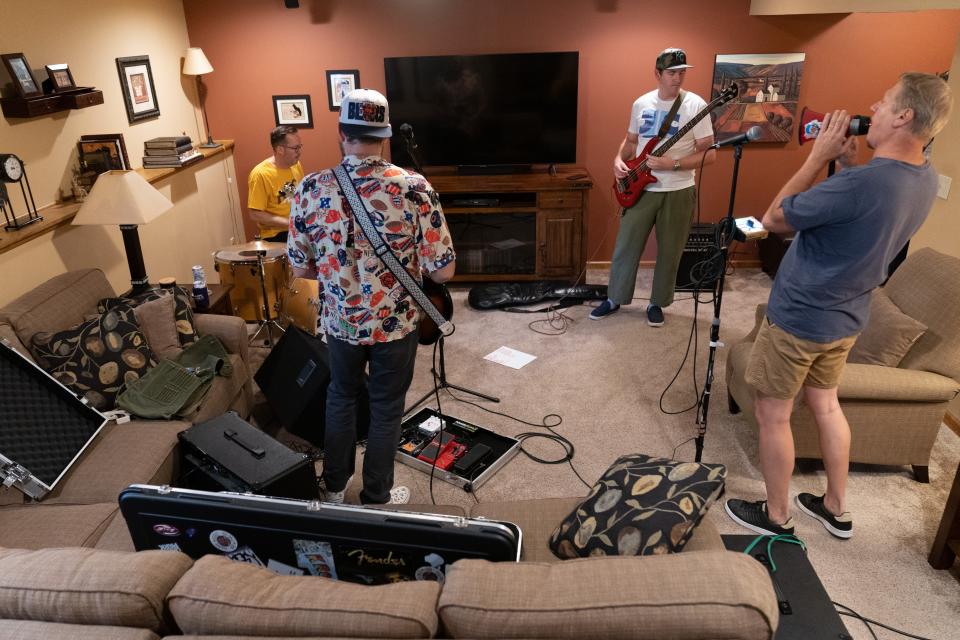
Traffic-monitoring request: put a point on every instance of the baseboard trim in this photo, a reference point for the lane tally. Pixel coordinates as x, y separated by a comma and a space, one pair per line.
952, 421
604, 265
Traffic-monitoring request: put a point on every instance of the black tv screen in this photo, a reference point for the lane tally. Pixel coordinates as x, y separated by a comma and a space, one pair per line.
517, 108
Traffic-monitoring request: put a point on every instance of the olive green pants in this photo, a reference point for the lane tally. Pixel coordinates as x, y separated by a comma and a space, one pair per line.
670, 213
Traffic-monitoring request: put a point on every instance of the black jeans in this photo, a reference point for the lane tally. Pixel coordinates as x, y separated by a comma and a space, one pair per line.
391, 371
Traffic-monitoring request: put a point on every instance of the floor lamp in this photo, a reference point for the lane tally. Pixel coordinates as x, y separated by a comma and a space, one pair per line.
196, 64
124, 198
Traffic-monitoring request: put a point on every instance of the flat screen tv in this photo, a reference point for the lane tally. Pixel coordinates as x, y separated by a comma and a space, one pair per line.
485, 110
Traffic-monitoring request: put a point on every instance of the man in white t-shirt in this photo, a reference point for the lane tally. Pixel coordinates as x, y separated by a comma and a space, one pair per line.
666, 204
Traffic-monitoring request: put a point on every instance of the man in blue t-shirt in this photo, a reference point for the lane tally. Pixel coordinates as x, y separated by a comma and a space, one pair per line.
849, 227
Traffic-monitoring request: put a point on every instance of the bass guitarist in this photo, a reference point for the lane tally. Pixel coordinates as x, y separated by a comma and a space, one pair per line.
667, 203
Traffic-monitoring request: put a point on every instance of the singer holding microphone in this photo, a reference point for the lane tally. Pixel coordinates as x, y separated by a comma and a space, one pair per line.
666, 204
849, 227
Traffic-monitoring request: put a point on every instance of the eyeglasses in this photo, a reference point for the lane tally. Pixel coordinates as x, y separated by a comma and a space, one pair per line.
296, 148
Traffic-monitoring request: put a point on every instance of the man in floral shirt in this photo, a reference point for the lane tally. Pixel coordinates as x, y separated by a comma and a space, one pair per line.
367, 314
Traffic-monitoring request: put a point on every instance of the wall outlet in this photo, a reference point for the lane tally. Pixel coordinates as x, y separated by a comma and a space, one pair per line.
943, 186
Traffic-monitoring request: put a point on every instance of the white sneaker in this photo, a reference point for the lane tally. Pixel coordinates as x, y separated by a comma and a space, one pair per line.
333, 497
399, 495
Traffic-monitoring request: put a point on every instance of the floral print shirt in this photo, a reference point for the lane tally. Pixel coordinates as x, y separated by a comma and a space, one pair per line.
362, 302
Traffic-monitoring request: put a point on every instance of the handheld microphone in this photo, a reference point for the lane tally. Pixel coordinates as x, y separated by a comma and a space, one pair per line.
753, 133
812, 121
407, 132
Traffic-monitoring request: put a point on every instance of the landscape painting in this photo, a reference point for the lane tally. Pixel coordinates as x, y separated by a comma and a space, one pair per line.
769, 86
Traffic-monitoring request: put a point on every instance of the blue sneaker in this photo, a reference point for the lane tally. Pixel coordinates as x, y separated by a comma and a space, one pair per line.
654, 316
604, 310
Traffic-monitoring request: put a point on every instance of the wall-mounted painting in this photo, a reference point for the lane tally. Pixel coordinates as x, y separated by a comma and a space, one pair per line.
769, 90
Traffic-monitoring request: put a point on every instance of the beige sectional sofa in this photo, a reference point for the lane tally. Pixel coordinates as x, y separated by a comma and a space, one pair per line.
67, 568
84, 503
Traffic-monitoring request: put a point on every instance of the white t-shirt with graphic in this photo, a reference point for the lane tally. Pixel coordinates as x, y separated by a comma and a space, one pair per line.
645, 119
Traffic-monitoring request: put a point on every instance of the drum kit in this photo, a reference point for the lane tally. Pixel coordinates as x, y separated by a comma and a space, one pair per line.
263, 289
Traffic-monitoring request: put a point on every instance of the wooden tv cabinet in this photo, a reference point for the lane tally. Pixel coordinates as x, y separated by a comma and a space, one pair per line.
518, 226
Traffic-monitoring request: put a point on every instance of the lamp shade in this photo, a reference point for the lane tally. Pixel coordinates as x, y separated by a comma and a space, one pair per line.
195, 63
121, 197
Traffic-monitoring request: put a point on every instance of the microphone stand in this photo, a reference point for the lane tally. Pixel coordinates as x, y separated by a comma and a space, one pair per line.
728, 232
440, 376
412, 151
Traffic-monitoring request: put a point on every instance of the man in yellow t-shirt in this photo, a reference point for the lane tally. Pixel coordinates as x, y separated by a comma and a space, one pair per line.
272, 183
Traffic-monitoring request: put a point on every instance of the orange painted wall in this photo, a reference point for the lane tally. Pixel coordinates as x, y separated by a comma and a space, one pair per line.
259, 48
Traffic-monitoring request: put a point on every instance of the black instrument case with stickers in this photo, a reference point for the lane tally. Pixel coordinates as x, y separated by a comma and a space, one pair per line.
44, 427
229, 454
300, 537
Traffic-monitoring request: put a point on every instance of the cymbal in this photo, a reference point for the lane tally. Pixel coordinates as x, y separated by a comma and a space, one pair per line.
248, 251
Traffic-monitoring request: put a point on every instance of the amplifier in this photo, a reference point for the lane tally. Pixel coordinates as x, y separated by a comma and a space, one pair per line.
701, 245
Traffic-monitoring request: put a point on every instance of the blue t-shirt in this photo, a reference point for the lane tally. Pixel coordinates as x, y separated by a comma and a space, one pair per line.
850, 227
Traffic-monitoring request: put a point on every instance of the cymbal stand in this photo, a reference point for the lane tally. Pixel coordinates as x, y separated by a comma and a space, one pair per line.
267, 322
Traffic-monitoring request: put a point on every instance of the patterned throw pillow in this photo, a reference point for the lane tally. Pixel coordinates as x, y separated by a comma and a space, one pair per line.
186, 329
640, 506
96, 357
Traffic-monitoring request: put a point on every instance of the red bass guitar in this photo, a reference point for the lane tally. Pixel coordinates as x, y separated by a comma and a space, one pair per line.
629, 188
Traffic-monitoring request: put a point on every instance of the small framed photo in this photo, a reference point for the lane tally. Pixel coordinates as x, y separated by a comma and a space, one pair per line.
139, 94
19, 70
293, 110
103, 152
60, 77
339, 84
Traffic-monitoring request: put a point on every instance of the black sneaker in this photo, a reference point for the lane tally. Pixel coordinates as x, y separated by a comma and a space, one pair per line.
603, 310
841, 526
753, 516
654, 316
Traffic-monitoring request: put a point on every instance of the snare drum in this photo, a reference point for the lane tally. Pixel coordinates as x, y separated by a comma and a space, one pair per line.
301, 305
237, 266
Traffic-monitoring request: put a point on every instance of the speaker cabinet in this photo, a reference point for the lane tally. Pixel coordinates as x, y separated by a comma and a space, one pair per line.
294, 379
701, 246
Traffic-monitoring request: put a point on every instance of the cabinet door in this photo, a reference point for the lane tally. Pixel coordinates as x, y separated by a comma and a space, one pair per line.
558, 242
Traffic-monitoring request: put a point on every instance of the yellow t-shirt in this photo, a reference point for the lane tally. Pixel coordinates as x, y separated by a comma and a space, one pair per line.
270, 189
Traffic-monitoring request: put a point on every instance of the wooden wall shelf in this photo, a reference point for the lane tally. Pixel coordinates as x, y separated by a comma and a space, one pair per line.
17, 107
60, 214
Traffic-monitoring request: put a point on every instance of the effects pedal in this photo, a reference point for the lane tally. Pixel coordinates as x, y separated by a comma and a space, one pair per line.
475, 455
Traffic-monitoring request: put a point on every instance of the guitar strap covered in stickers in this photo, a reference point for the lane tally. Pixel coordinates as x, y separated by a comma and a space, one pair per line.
383, 251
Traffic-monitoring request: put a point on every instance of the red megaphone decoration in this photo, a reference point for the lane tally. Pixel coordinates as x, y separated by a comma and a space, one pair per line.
812, 121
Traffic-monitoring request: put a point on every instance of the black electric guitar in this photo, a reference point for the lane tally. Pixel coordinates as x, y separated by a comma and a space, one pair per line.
440, 297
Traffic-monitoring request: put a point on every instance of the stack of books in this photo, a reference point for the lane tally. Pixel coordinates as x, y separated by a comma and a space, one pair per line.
171, 151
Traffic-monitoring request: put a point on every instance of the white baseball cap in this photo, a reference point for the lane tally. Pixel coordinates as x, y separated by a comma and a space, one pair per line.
365, 112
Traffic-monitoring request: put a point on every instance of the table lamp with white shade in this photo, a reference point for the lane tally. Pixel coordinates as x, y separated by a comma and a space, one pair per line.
124, 198
195, 63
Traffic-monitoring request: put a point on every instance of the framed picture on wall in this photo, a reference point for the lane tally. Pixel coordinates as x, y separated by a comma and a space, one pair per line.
339, 84
293, 110
60, 77
769, 86
139, 94
19, 70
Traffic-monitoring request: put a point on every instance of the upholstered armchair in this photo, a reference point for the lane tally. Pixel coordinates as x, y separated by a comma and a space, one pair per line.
895, 408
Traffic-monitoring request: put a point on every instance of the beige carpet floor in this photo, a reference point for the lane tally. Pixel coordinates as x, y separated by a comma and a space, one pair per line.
605, 378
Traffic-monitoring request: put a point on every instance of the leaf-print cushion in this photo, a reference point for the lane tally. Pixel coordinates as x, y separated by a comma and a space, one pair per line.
186, 329
96, 357
640, 506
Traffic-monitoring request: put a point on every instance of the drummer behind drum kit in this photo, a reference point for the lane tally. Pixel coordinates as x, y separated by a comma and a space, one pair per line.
263, 289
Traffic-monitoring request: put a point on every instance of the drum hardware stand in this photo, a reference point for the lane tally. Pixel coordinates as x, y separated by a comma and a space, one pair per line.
268, 323
728, 232
441, 383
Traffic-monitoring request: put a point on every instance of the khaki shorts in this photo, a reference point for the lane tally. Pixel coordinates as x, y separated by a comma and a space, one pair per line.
781, 363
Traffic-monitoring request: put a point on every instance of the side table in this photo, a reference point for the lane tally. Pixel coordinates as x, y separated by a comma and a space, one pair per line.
946, 546
219, 299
